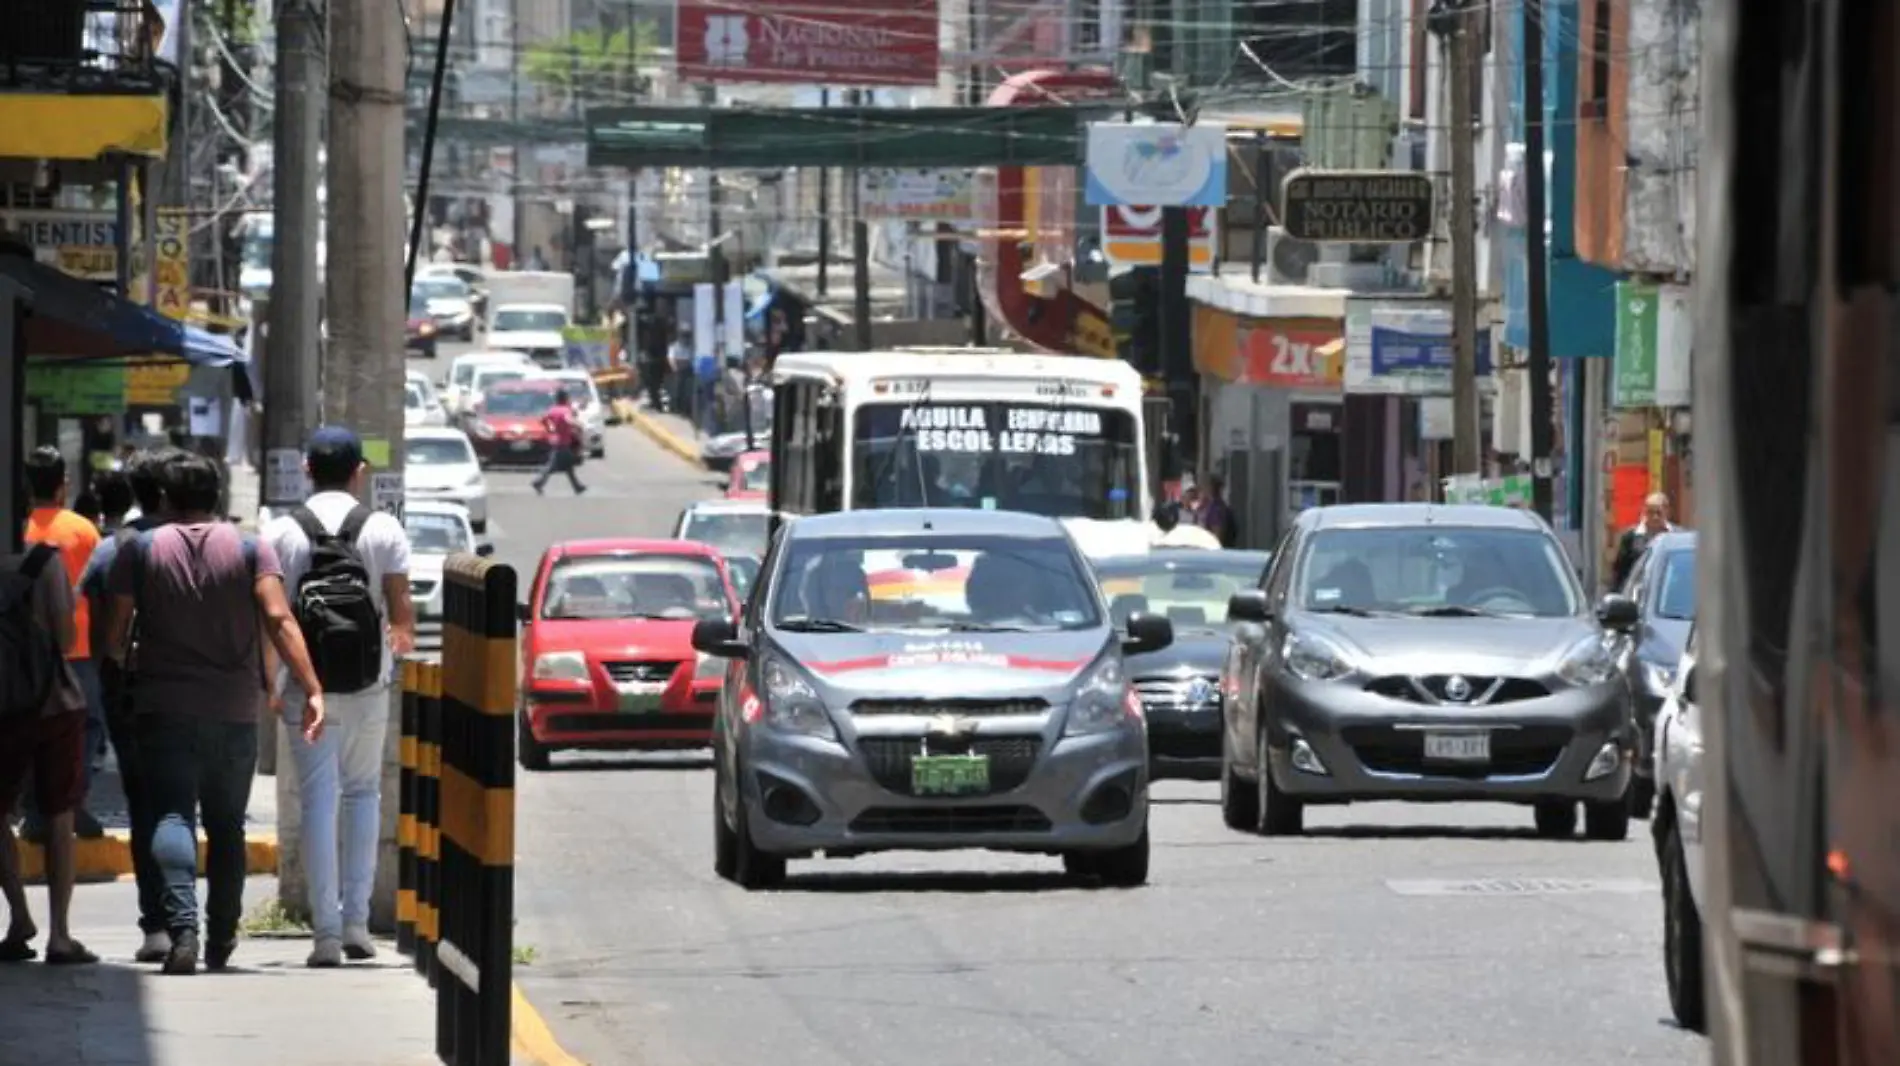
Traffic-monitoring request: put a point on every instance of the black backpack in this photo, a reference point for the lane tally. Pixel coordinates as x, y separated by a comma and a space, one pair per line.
30, 657
336, 608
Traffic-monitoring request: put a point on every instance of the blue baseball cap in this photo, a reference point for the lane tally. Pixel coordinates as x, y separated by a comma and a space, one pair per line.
337, 443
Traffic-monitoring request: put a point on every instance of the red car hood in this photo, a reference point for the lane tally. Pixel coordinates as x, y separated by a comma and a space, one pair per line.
616, 640
515, 425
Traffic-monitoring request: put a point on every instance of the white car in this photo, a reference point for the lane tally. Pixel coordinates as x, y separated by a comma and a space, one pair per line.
449, 303
469, 275
439, 464
456, 392
1677, 826
419, 407
531, 328
735, 527
437, 530
593, 414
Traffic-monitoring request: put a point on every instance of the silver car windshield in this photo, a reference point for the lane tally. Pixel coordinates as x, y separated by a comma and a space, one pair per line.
742, 533
1193, 595
1675, 600
436, 534
968, 583
436, 451
1448, 571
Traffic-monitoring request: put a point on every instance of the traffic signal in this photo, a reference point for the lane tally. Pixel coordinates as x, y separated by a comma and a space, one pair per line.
1135, 316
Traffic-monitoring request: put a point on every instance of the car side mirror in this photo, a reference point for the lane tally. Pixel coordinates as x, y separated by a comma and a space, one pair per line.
522, 613
719, 637
1249, 605
1618, 613
1146, 633
484, 550
1688, 685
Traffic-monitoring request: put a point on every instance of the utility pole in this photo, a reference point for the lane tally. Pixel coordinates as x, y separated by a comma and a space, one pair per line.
1467, 450
824, 213
292, 327
1537, 267
860, 255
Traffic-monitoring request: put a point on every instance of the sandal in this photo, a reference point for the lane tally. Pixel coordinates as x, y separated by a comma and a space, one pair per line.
77, 955
14, 949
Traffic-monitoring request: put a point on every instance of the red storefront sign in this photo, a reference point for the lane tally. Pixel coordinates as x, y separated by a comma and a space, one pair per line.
1131, 236
856, 42
1292, 353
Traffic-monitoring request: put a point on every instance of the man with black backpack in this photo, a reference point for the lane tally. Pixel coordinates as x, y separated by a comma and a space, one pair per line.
347, 568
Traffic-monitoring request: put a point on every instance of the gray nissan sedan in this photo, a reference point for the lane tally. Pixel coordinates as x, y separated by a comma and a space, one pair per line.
1426, 653
928, 680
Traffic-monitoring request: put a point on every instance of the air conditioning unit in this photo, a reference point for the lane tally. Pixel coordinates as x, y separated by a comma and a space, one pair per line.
1290, 260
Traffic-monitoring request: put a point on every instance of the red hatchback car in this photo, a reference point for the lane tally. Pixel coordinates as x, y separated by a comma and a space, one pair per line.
751, 476
607, 657
506, 428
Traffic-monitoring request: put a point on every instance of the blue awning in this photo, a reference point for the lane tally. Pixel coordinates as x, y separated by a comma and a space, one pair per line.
76, 318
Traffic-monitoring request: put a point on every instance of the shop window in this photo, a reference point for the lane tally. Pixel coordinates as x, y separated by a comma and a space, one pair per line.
1597, 104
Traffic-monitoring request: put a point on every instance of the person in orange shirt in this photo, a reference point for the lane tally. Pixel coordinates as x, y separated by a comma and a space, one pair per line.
51, 522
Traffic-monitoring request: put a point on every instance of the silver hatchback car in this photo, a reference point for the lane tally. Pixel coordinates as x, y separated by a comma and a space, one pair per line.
929, 680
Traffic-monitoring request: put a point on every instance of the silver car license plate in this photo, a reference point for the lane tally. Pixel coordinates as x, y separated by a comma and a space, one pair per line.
1458, 747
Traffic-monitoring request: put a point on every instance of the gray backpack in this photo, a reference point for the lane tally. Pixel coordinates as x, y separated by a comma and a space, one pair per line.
29, 655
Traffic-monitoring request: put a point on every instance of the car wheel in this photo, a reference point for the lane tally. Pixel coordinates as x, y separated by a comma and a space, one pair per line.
1118, 868
1682, 940
1609, 820
531, 753
1239, 802
1642, 797
1280, 815
1556, 819
725, 841
598, 451
752, 869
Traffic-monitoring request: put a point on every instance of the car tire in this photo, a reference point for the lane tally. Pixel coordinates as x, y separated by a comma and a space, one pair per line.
531, 753
1280, 815
725, 841
752, 869
1125, 867
1556, 819
1239, 800
1609, 820
598, 451
1682, 940
1642, 797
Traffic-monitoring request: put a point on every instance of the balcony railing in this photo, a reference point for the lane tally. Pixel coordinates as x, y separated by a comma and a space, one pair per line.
87, 46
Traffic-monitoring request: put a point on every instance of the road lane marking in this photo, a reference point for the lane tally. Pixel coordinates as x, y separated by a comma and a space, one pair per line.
532, 1038
1520, 886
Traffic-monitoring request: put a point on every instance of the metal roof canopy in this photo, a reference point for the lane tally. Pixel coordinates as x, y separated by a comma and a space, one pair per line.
770, 138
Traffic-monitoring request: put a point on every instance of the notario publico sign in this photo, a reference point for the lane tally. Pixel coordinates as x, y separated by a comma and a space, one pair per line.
1357, 206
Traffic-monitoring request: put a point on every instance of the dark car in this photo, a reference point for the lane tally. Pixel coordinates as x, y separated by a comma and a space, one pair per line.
1179, 685
1662, 585
929, 680
1426, 653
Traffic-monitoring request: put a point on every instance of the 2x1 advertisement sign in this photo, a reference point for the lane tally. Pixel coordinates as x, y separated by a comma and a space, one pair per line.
807, 42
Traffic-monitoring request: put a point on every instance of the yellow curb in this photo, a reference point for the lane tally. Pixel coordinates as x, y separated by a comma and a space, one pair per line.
624, 409
533, 1040
664, 437
110, 857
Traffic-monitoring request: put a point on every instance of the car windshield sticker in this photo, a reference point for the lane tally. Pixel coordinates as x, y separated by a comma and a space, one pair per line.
1325, 595
1023, 430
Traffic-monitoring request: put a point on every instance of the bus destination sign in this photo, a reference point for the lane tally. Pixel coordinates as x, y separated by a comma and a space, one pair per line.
1024, 430
1358, 206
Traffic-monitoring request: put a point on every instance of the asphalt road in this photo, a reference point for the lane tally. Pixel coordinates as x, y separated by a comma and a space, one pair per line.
1390, 935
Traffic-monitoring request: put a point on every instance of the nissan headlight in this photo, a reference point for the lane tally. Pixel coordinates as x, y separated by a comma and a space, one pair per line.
791, 704
1311, 658
560, 666
1103, 701
1589, 662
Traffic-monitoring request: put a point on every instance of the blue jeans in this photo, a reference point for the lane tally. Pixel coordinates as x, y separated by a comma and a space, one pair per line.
199, 765
122, 727
559, 461
340, 783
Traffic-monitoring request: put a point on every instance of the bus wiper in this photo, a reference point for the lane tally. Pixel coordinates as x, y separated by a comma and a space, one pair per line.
818, 625
1451, 610
897, 442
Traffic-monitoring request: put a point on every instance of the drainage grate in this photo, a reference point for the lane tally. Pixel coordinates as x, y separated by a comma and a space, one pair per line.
1519, 886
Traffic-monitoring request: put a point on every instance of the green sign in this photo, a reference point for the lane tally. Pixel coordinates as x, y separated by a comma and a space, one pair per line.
1638, 304
75, 388
1512, 491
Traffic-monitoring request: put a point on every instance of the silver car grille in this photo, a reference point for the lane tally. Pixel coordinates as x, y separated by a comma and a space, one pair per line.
1457, 690
1178, 693
960, 708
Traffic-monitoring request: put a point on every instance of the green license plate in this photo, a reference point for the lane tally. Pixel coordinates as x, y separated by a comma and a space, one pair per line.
641, 699
949, 775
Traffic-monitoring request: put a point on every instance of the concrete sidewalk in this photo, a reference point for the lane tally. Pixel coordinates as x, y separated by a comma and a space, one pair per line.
672, 432
110, 857
267, 1008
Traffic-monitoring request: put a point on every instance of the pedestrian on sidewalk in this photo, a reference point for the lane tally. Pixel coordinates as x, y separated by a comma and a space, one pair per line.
565, 446
75, 536
115, 499
341, 557
42, 733
1630, 546
142, 473
205, 597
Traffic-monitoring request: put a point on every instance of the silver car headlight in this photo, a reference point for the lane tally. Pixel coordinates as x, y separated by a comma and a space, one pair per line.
1588, 662
791, 704
1103, 701
1312, 658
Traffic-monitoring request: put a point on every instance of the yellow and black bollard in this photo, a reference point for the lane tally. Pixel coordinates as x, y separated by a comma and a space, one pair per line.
474, 948
428, 817
406, 813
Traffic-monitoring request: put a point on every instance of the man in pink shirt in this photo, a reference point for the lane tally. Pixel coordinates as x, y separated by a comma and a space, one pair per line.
564, 443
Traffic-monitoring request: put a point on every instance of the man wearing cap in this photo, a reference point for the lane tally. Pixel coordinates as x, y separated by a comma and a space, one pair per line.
340, 774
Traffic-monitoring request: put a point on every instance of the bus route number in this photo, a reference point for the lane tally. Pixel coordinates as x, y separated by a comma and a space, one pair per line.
1067, 389
909, 386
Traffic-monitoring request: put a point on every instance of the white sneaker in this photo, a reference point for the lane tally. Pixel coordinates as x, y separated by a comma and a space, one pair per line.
357, 944
328, 954
155, 948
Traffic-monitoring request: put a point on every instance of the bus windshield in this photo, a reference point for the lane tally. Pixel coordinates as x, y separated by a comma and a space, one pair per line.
1057, 461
